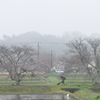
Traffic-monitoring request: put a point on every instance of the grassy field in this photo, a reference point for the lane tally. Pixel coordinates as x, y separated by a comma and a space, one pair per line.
49, 85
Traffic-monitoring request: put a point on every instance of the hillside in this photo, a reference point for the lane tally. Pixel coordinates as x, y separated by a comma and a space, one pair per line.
46, 42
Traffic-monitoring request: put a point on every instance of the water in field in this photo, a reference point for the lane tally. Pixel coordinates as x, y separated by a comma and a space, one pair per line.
35, 97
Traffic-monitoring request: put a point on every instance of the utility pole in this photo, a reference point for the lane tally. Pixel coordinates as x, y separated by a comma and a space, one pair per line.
38, 50
38, 57
51, 60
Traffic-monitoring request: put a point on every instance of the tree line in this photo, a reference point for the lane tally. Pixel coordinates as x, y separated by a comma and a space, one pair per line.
81, 53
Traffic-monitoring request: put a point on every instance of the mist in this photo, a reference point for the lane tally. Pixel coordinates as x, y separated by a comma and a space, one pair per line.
54, 17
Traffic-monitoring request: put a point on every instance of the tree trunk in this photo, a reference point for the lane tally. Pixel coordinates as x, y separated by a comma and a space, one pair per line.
96, 80
18, 82
93, 81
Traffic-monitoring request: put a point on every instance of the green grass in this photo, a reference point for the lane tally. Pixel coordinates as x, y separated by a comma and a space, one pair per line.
86, 94
38, 85
21, 89
82, 94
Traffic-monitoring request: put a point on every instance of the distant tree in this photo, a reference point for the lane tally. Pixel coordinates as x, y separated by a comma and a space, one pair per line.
46, 61
88, 51
17, 60
5, 37
72, 64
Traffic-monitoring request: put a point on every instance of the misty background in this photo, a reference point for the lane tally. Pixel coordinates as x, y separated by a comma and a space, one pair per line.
44, 43
51, 23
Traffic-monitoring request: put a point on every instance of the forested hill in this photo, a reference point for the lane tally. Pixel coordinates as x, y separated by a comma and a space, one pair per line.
46, 42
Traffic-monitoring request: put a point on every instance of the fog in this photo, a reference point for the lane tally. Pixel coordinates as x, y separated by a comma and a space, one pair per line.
54, 17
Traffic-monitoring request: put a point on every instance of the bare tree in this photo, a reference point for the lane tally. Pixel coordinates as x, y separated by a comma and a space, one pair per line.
45, 62
72, 64
88, 51
17, 60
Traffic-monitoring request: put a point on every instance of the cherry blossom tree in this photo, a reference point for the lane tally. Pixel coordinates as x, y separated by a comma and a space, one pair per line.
17, 60
88, 51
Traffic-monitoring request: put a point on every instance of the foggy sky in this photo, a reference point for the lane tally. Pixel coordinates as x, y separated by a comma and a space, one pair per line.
49, 16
